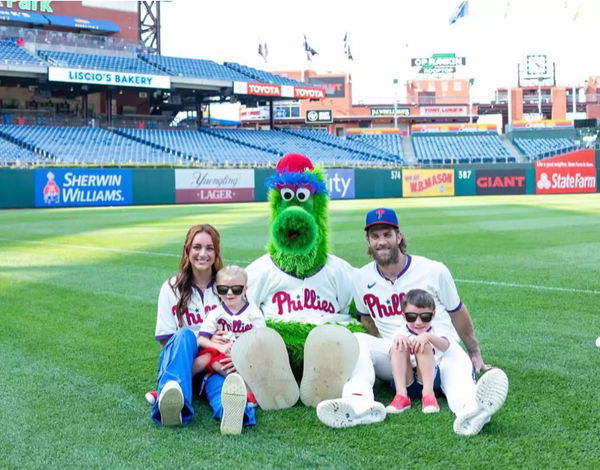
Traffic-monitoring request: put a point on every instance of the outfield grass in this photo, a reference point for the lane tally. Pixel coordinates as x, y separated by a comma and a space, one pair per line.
78, 291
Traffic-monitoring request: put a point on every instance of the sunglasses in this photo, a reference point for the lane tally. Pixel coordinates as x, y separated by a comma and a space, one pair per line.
236, 290
411, 317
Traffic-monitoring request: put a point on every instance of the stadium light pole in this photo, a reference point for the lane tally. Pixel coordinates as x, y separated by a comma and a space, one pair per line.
395, 103
540, 97
471, 81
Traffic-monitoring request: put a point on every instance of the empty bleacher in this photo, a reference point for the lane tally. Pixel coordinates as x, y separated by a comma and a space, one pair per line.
86, 145
98, 62
198, 68
542, 147
11, 53
11, 153
262, 76
448, 148
389, 143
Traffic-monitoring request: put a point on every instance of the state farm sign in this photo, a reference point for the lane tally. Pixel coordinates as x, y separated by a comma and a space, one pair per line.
573, 172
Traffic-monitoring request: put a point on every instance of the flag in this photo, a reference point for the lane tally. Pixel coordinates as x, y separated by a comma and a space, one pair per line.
461, 12
263, 51
577, 13
507, 9
347, 50
310, 52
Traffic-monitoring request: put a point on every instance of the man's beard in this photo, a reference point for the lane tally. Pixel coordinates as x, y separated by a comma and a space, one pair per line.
392, 257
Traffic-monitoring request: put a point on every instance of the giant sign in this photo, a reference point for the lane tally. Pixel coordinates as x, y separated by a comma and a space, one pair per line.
106, 77
61, 187
193, 186
429, 182
500, 181
340, 183
335, 87
573, 172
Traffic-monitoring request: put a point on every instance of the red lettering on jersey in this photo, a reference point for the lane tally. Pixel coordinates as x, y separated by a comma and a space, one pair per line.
285, 303
379, 310
193, 318
236, 326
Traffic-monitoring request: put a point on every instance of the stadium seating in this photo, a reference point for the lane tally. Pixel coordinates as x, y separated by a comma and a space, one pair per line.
98, 62
262, 76
479, 147
353, 146
192, 67
543, 147
11, 153
389, 143
87, 145
204, 147
10, 53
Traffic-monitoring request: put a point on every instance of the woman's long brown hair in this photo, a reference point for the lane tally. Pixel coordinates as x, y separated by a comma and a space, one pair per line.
184, 281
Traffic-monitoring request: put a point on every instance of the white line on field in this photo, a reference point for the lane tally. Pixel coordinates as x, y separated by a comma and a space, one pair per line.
243, 262
529, 286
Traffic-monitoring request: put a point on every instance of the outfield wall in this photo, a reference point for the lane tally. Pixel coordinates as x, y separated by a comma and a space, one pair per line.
575, 172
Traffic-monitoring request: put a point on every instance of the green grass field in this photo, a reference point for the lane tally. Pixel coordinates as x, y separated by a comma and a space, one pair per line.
78, 290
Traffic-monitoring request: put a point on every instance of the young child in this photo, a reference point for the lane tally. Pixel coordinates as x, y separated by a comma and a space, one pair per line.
416, 340
234, 316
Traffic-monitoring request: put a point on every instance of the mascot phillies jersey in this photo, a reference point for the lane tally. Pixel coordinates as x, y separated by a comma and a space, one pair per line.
221, 318
320, 298
376, 296
200, 304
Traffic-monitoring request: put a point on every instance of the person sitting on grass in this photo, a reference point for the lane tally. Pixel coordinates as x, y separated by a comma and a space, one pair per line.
416, 341
230, 399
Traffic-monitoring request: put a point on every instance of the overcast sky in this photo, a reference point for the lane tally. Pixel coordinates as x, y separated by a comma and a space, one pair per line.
385, 34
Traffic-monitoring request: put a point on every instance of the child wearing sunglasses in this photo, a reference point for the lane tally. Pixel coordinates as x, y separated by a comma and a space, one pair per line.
415, 353
234, 316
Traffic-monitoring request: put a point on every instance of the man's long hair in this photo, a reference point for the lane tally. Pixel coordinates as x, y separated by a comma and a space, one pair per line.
184, 280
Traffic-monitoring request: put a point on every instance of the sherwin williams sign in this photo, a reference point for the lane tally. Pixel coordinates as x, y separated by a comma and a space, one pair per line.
573, 172
105, 77
192, 186
417, 183
340, 183
62, 187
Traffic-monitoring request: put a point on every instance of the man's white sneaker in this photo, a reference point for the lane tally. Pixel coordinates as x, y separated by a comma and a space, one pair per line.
233, 399
491, 392
170, 404
348, 412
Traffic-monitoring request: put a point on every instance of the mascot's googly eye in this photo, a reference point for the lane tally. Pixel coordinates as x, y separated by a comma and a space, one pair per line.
302, 194
287, 194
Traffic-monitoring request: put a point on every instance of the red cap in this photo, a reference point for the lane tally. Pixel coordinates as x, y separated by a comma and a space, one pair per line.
294, 162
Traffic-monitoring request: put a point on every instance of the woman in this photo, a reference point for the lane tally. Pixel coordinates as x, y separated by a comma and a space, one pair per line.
183, 303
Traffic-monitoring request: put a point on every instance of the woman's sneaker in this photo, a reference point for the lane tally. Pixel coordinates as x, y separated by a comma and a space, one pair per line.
399, 404
429, 404
170, 404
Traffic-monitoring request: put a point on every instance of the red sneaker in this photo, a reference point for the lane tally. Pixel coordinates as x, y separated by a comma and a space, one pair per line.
151, 397
430, 404
251, 400
399, 404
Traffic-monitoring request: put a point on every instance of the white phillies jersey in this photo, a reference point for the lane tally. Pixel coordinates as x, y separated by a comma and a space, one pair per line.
380, 298
200, 304
321, 298
407, 331
221, 318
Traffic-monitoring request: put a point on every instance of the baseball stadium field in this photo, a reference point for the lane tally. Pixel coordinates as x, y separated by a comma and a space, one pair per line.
78, 291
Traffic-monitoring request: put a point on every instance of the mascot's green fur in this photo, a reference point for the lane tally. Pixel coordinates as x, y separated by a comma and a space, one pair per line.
299, 242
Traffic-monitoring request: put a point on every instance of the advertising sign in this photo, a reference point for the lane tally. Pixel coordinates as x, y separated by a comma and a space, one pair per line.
66, 187
389, 112
273, 90
318, 116
573, 172
106, 77
443, 110
509, 181
430, 182
193, 186
335, 87
438, 63
452, 127
340, 183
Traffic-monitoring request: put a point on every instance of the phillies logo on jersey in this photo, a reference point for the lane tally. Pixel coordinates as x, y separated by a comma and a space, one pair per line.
193, 318
379, 310
236, 326
310, 301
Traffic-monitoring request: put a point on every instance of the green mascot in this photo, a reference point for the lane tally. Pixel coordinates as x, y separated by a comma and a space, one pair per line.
304, 293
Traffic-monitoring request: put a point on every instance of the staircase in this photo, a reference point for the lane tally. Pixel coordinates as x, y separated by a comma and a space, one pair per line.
408, 152
512, 149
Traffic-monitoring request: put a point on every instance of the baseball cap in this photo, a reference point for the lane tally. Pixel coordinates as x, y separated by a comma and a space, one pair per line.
381, 215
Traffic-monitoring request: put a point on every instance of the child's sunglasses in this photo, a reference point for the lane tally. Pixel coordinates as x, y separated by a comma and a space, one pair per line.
236, 290
411, 317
